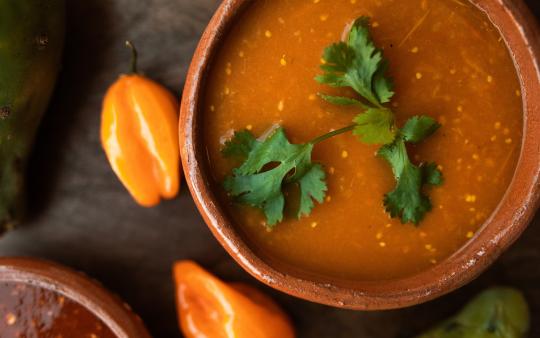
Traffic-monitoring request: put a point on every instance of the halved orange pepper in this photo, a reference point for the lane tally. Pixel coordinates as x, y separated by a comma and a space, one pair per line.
139, 133
208, 307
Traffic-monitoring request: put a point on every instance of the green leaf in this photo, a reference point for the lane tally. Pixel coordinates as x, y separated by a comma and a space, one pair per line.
341, 100
432, 175
269, 165
495, 313
358, 64
383, 85
418, 128
240, 145
375, 126
312, 187
407, 200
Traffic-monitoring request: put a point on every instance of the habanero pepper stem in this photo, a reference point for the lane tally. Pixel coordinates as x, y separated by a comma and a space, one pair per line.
134, 57
139, 133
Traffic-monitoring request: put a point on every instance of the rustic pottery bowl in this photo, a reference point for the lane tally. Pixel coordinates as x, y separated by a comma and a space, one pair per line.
115, 314
519, 29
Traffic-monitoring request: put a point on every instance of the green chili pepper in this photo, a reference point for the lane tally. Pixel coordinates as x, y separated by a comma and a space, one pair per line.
495, 313
31, 41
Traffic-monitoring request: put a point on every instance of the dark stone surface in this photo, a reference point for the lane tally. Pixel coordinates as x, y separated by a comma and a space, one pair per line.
82, 217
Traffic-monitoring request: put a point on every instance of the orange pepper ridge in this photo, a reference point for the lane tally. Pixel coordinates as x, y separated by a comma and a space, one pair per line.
209, 307
139, 133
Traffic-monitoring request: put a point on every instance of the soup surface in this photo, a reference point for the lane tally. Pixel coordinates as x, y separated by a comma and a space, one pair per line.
447, 61
32, 312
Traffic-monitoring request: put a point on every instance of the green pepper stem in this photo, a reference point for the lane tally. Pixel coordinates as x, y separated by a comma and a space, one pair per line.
134, 56
332, 134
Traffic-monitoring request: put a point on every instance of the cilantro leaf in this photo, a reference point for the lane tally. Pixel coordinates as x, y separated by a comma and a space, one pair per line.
419, 128
375, 126
269, 165
358, 64
382, 85
240, 145
432, 175
408, 200
312, 187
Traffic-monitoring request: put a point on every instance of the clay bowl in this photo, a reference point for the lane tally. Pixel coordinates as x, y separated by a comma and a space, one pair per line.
114, 313
515, 211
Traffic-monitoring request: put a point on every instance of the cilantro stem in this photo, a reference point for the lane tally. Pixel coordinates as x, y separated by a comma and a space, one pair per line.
332, 134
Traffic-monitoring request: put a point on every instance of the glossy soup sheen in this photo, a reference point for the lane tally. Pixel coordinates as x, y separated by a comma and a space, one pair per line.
447, 60
31, 312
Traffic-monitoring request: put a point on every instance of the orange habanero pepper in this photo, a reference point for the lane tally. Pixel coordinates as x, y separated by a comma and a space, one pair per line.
208, 307
139, 133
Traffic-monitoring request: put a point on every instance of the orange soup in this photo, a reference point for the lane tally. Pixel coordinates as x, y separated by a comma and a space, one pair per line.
447, 61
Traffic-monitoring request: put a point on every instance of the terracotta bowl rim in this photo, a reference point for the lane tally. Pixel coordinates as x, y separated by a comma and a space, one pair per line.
517, 208
78, 287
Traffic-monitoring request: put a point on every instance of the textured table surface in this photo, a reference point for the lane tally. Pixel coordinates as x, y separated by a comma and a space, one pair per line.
82, 217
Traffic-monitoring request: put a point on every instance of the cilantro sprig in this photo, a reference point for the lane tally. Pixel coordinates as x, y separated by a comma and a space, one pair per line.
357, 64
272, 162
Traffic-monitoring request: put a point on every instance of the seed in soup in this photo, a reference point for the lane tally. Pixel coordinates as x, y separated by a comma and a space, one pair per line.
447, 61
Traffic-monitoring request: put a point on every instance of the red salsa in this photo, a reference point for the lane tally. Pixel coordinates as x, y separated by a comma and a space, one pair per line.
28, 311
